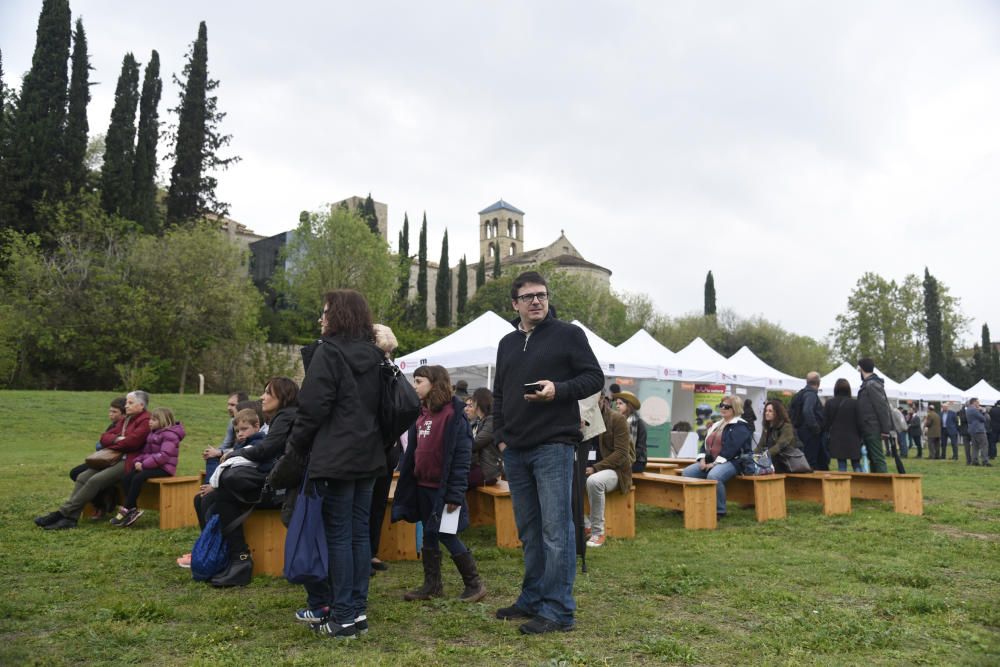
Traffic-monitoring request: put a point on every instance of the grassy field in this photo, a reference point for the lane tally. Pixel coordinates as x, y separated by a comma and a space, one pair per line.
871, 588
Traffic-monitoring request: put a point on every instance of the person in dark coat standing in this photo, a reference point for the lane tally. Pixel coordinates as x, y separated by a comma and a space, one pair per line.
873, 414
916, 431
840, 414
994, 430
807, 418
949, 431
337, 429
433, 479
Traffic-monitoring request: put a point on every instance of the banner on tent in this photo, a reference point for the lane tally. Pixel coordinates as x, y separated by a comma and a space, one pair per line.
655, 397
706, 407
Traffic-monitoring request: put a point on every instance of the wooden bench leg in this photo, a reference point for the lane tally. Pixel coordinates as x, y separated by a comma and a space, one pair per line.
265, 534
836, 496
177, 505
769, 499
398, 541
908, 495
699, 508
619, 513
503, 511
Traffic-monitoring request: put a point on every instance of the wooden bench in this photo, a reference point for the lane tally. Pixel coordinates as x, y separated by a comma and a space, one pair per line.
498, 509
172, 497
694, 497
619, 512
765, 492
265, 534
832, 490
663, 468
904, 491
680, 463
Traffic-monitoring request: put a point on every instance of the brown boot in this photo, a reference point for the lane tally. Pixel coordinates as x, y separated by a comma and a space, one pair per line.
432, 578
475, 590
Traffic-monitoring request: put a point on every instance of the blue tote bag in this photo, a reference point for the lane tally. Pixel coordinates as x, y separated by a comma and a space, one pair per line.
307, 559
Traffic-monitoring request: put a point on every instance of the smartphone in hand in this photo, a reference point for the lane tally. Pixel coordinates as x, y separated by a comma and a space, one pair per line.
532, 387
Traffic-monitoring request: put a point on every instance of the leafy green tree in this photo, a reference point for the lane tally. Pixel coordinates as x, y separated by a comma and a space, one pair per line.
144, 209
709, 294
480, 273
197, 141
119, 143
331, 250
932, 311
77, 126
463, 290
442, 287
33, 168
421, 304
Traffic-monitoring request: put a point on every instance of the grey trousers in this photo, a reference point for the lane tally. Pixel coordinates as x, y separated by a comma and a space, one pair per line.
980, 448
598, 486
88, 484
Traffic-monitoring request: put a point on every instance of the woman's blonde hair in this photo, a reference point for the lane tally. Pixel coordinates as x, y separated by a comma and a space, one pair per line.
163, 416
385, 339
737, 404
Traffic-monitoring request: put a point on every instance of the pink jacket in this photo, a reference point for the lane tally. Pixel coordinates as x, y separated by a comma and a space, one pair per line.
162, 448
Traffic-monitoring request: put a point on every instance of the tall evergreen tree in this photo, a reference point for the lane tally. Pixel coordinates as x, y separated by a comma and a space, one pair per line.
197, 140
34, 167
442, 288
480, 273
987, 369
368, 214
932, 311
496, 265
995, 365
709, 295
119, 143
143, 209
463, 290
403, 293
421, 306
77, 127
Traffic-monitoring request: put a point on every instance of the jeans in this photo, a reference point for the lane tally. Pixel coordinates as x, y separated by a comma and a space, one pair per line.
876, 452
720, 474
346, 506
855, 465
904, 443
945, 437
541, 489
598, 486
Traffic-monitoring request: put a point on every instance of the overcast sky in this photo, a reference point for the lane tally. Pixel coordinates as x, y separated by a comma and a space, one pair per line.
787, 146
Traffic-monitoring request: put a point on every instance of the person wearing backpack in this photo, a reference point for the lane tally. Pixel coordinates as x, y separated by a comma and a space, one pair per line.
806, 412
873, 414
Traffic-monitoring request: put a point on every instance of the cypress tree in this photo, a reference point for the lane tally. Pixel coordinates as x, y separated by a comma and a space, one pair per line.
119, 143
442, 288
709, 295
368, 214
404, 261
144, 209
932, 313
987, 370
496, 264
76, 119
35, 161
197, 140
995, 365
421, 311
463, 289
480, 273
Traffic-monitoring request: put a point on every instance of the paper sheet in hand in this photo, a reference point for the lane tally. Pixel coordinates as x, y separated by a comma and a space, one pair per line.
449, 521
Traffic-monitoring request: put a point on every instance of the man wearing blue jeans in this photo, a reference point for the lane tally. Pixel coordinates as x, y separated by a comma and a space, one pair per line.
543, 368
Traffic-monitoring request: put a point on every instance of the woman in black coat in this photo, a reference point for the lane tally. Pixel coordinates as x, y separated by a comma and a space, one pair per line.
840, 417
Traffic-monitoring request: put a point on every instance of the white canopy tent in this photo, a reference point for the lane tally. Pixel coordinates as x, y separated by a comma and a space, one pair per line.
921, 386
643, 348
698, 362
747, 364
469, 353
614, 363
850, 372
985, 392
945, 390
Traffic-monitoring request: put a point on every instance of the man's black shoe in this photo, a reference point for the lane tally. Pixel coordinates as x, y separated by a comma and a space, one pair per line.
512, 612
539, 625
62, 524
47, 519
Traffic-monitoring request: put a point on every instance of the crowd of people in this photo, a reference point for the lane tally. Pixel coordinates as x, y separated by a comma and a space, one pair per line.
325, 436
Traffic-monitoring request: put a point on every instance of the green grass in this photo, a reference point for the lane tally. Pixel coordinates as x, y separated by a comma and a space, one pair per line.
871, 588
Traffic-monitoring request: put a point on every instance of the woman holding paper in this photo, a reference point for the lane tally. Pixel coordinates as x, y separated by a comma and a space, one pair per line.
433, 478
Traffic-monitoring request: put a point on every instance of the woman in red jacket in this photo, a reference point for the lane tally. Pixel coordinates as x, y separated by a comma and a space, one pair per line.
128, 437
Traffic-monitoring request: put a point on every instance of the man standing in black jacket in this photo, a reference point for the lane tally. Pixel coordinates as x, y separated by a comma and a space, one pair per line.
874, 417
543, 368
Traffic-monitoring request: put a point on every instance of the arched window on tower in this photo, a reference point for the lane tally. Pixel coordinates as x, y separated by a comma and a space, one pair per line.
517, 229
493, 251
513, 249
510, 227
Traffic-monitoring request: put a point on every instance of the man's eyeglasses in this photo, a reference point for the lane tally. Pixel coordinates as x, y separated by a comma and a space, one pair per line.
725, 406
528, 298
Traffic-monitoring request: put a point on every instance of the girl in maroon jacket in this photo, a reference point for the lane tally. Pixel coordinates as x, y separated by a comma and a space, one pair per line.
158, 459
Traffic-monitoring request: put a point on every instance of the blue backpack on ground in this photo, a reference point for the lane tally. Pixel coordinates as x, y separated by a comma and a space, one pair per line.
210, 554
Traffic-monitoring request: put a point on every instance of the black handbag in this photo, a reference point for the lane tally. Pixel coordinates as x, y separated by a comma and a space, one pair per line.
239, 572
399, 405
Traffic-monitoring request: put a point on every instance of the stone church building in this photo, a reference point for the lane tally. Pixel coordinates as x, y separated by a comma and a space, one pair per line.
501, 231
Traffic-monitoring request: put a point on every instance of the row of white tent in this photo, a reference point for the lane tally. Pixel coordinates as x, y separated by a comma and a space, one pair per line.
470, 352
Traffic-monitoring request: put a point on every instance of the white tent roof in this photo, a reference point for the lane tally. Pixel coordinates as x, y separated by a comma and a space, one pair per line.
643, 346
475, 344
945, 390
614, 363
850, 372
698, 362
986, 394
747, 364
920, 385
